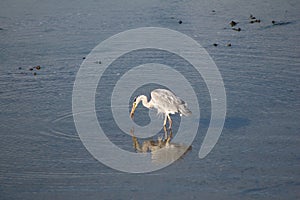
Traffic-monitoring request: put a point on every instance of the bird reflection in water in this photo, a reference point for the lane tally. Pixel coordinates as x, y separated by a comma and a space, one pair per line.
162, 150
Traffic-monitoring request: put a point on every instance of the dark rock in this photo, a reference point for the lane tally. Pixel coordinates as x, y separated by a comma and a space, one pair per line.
233, 23
180, 22
215, 44
255, 21
237, 29
252, 17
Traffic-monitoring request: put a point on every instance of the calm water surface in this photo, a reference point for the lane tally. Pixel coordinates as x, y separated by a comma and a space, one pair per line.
257, 155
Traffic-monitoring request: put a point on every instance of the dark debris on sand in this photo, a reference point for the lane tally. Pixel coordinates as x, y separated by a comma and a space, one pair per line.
37, 67
253, 19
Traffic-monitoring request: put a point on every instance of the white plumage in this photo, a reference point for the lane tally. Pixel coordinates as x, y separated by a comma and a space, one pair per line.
165, 101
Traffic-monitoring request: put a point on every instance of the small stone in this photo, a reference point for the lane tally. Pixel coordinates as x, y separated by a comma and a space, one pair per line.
180, 22
232, 23
34, 73
213, 11
255, 21
273, 22
229, 45
20, 68
237, 29
30, 68
215, 44
83, 58
252, 17
38, 67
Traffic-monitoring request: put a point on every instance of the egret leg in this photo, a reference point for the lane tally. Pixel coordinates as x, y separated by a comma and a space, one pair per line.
166, 132
168, 140
170, 122
165, 120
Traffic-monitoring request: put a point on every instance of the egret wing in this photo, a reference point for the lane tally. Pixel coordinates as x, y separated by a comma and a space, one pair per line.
166, 101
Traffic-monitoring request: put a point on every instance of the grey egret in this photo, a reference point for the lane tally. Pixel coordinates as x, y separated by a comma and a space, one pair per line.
165, 101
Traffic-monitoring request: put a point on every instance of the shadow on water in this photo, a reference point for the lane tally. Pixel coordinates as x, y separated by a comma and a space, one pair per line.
230, 122
278, 23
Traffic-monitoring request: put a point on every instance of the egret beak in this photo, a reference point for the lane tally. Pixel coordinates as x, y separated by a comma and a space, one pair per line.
132, 110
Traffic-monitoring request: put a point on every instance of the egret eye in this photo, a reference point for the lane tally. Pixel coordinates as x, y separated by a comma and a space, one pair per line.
134, 100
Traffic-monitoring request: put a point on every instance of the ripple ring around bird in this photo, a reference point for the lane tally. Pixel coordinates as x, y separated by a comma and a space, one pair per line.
90, 72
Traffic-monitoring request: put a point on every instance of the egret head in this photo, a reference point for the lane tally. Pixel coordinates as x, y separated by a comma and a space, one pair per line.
134, 105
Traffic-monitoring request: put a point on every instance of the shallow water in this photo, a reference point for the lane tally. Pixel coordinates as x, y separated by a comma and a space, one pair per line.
257, 155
